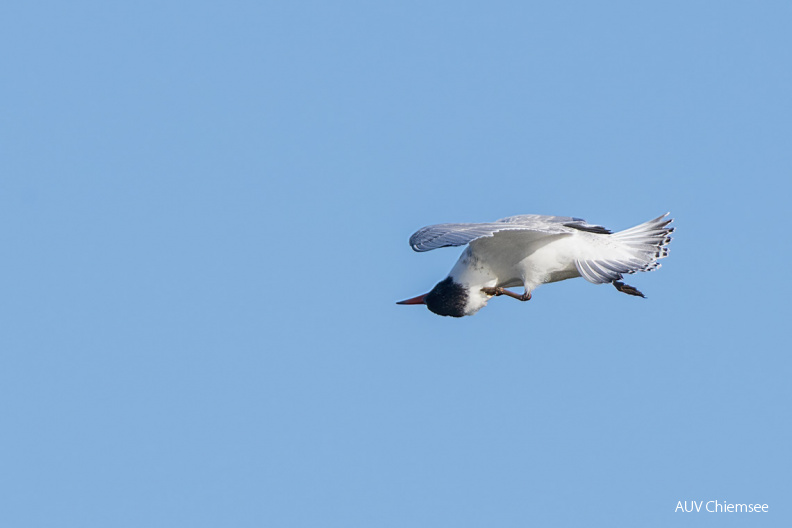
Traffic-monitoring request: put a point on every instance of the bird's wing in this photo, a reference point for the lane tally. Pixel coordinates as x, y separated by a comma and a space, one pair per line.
445, 235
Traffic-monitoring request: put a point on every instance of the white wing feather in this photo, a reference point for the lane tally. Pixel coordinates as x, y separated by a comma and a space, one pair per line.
445, 235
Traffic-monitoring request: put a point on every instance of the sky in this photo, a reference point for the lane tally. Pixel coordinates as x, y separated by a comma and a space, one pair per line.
204, 215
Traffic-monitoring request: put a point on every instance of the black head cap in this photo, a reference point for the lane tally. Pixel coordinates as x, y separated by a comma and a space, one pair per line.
447, 298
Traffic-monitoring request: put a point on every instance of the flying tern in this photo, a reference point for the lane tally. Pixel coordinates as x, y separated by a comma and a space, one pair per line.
531, 250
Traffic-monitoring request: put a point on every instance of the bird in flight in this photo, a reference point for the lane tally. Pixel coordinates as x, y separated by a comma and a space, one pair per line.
530, 250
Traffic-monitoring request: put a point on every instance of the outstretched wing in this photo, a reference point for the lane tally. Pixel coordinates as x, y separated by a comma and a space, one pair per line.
445, 235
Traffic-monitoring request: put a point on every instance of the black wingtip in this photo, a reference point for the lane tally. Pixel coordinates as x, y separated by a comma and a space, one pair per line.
582, 226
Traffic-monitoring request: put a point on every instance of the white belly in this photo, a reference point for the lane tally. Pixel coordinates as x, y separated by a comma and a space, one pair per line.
551, 263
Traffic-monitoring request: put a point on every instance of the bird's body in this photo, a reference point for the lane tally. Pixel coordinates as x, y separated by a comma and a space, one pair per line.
530, 250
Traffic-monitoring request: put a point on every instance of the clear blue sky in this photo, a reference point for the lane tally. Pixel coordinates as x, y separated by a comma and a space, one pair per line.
204, 218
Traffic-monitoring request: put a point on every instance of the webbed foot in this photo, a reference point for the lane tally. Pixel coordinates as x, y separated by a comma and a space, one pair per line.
626, 288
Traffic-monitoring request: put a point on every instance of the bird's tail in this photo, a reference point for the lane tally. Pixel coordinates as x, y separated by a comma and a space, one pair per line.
639, 249
647, 243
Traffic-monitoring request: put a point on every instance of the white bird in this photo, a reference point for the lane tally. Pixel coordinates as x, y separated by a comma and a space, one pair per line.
530, 250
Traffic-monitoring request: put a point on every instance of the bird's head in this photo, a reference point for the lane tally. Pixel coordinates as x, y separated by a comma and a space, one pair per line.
451, 298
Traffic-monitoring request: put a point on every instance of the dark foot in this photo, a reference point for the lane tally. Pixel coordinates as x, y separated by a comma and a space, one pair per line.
626, 288
524, 297
503, 291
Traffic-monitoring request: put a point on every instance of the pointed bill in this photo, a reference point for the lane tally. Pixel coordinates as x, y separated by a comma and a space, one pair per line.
421, 299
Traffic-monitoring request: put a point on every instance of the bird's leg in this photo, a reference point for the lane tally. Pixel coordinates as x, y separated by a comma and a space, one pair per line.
503, 291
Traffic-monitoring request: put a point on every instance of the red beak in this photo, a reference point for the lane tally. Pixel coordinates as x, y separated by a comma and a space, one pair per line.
415, 300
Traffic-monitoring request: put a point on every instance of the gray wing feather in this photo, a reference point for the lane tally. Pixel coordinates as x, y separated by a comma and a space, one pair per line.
445, 235
603, 271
